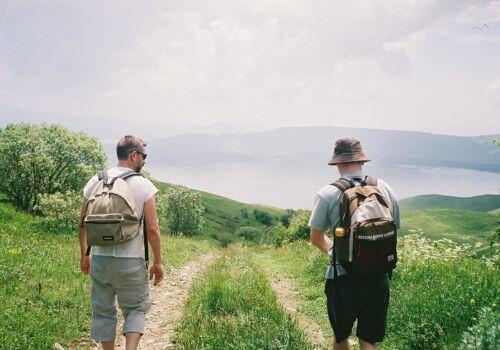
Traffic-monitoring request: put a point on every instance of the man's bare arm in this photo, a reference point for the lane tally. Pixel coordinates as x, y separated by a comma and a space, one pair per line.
321, 240
152, 229
82, 235
153, 234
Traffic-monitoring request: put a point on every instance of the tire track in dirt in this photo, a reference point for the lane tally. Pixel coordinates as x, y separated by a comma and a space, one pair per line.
168, 300
286, 292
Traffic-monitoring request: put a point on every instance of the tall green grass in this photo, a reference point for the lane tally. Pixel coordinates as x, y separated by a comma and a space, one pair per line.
461, 226
232, 306
45, 297
436, 293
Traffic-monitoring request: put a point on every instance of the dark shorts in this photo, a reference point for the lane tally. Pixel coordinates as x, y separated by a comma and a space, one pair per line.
364, 299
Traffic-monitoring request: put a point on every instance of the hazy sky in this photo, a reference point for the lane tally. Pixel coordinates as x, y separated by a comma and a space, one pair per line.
413, 65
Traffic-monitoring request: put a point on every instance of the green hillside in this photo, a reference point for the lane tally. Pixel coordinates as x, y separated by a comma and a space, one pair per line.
494, 212
484, 203
44, 294
225, 215
458, 225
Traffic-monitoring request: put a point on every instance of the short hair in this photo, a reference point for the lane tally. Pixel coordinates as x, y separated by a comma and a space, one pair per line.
127, 144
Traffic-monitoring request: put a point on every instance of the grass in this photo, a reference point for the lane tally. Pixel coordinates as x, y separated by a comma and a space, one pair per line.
300, 263
232, 306
432, 301
461, 226
45, 296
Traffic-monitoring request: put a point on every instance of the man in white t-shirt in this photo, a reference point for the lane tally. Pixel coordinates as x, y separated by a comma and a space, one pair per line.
119, 272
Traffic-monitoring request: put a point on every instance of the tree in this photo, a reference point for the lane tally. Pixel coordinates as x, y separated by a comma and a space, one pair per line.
263, 217
181, 210
248, 232
244, 213
286, 216
493, 237
297, 229
45, 159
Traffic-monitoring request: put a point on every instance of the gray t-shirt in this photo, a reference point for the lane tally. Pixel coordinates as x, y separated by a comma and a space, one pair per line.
326, 207
141, 190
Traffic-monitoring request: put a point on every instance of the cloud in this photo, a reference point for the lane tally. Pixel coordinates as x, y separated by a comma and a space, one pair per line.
207, 61
478, 39
493, 87
407, 45
476, 14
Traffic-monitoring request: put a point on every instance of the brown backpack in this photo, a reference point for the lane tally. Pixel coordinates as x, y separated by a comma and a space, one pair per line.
368, 244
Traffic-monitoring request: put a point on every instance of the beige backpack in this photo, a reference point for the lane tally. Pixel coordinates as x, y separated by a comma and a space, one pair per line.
110, 216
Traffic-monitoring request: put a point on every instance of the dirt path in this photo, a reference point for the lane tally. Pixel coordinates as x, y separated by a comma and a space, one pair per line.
287, 296
168, 301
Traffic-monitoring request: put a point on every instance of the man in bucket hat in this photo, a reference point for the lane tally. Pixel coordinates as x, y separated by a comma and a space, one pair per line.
351, 297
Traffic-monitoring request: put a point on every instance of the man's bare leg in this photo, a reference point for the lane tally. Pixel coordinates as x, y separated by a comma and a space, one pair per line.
343, 345
367, 346
108, 345
132, 340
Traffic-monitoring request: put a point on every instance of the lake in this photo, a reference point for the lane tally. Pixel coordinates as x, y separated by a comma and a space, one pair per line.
293, 185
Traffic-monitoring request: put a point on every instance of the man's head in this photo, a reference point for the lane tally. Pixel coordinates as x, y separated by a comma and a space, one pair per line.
131, 152
348, 155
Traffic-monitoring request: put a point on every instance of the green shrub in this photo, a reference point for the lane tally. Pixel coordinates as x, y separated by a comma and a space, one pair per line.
45, 159
181, 210
244, 213
224, 238
279, 232
493, 237
249, 233
297, 229
426, 335
485, 333
263, 217
286, 216
60, 211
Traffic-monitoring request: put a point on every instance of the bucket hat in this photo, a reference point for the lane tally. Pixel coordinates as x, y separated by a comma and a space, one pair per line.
348, 150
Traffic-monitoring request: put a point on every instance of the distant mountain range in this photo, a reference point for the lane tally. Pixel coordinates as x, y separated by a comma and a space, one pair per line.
284, 167
312, 144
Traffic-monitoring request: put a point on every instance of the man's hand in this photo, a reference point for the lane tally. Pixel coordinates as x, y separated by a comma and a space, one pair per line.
85, 264
156, 272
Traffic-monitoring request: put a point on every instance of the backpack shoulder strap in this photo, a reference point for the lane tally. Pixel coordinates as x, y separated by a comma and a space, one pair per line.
343, 184
129, 173
102, 175
125, 175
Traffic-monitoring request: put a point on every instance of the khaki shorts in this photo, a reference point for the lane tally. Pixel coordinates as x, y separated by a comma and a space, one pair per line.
118, 279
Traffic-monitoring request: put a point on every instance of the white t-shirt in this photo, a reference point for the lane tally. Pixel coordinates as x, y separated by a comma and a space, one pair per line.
141, 190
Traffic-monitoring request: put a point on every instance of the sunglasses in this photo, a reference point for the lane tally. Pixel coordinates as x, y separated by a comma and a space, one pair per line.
144, 155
